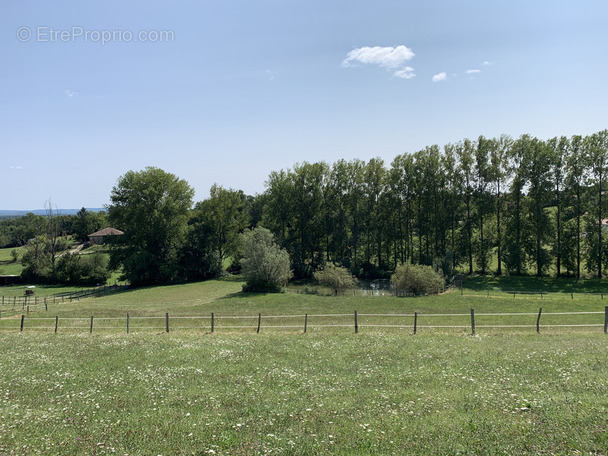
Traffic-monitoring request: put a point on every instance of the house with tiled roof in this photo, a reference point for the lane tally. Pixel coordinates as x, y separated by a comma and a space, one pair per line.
97, 238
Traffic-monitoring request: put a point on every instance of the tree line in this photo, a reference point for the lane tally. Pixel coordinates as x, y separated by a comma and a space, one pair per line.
490, 205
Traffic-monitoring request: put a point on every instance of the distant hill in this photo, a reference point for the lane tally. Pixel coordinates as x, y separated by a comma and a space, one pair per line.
13, 213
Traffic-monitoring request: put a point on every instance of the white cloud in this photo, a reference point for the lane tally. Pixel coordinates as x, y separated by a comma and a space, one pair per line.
405, 73
15, 167
473, 71
70, 93
387, 57
486, 63
440, 77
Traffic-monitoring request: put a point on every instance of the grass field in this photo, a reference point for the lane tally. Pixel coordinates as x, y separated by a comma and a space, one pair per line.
330, 391
7, 265
314, 394
224, 299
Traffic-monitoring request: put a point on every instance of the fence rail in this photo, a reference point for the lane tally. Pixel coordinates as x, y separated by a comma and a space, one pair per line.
413, 322
14, 303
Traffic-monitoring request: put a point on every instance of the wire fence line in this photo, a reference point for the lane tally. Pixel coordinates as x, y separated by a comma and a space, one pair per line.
26, 302
413, 322
8, 303
33, 300
540, 294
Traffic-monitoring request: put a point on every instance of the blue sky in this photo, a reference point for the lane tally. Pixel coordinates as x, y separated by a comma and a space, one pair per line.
229, 91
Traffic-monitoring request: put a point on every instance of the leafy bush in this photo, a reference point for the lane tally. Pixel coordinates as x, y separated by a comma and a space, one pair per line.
83, 270
309, 290
416, 279
265, 265
336, 277
61, 244
37, 265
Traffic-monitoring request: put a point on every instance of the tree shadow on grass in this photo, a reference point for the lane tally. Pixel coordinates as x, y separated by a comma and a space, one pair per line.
247, 294
532, 284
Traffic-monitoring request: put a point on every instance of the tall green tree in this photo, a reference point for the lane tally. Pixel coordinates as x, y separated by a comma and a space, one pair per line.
87, 222
199, 258
277, 214
225, 213
515, 253
558, 148
597, 152
402, 188
373, 186
151, 207
465, 152
576, 180
337, 214
308, 227
453, 199
499, 172
483, 180
538, 169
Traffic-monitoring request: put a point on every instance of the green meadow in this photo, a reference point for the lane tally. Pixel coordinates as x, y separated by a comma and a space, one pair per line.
329, 391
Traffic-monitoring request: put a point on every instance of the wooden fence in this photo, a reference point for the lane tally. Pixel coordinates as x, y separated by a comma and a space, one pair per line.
302, 323
14, 303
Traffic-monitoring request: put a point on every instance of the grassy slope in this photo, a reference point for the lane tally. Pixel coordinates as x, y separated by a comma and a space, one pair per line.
316, 394
6, 262
223, 298
382, 391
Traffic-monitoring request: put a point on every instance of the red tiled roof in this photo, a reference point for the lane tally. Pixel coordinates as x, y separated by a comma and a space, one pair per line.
107, 231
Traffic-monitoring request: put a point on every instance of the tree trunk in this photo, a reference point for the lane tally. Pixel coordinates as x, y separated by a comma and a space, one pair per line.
578, 231
498, 239
469, 235
599, 233
559, 237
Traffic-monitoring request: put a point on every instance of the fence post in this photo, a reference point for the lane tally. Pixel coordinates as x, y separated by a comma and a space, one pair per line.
46, 306
538, 320
571, 295
356, 324
415, 321
91, 332
22, 318
259, 323
605, 319
127, 323
167, 322
305, 322
472, 322
56, 322
212, 322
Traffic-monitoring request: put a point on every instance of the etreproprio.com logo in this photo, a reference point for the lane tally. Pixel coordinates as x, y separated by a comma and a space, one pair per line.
45, 34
